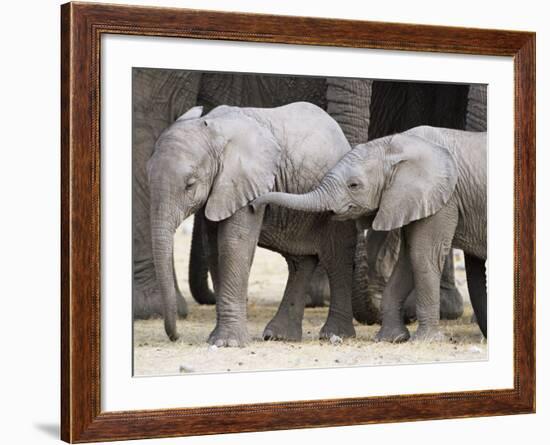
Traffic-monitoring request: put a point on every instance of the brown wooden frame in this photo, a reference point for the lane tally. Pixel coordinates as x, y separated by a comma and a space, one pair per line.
82, 26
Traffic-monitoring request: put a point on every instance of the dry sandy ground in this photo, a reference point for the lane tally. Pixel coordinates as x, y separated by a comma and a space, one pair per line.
155, 355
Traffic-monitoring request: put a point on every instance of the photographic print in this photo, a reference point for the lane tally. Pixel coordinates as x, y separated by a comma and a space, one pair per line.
287, 222
256, 205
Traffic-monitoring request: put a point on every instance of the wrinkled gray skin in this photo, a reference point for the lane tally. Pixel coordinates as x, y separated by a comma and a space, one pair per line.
223, 161
376, 256
429, 182
159, 97
397, 108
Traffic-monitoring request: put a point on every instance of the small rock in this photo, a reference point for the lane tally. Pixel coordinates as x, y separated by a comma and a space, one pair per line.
335, 340
252, 353
240, 363
475, 349
186, 369
212, 348
336, 361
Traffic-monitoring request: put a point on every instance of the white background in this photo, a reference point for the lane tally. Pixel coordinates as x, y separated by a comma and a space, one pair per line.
29, 183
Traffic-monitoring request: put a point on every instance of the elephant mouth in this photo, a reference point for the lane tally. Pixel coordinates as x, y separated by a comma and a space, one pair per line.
350, 211
347, 212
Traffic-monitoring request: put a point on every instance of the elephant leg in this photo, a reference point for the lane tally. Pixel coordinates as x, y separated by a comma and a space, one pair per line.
375, 258
338, 263
147, 301
476, 111
429, 243
396, 291
198, 262
318, 290
211, 232
237, 239
287, 323
452, 303
477, 287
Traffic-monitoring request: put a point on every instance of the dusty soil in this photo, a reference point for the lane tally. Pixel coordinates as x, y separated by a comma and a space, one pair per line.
155, 355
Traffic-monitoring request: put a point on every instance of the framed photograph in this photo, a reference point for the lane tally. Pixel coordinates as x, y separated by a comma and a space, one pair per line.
275, 222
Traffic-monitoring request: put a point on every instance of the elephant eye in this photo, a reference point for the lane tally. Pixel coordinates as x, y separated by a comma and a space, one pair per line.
353, 185
190, 184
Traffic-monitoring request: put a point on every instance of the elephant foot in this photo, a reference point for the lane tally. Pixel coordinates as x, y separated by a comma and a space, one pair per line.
173, 336
428, 334
337, 327
392, 334
452, 304
231, 336
278, 329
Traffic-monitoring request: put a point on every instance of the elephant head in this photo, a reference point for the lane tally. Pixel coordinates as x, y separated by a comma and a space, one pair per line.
221, 162
387, 182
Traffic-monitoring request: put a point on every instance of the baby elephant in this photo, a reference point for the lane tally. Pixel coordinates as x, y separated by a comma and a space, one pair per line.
432, 182
221, 162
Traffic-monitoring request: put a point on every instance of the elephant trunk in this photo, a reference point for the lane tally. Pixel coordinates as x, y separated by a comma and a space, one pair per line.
315, 201
163, 227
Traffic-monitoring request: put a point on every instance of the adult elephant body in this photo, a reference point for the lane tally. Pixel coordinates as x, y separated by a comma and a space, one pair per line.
432, 184
223, 161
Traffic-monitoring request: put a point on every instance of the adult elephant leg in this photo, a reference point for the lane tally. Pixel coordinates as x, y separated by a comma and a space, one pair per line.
211, 234
348, 102
476, 110
237, 239
159, 97
477, 287
452, 303
198, 262
287, 322
337, 259
318, 291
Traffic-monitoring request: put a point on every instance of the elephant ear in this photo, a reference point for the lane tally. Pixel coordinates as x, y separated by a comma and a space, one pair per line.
247, 165
422, 179
192, 113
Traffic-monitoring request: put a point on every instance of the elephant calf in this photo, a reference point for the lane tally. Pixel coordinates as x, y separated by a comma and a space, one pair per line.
432, 183
223, 161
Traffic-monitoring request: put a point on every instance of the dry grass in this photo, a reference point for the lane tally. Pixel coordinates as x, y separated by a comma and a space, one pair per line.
155, 355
